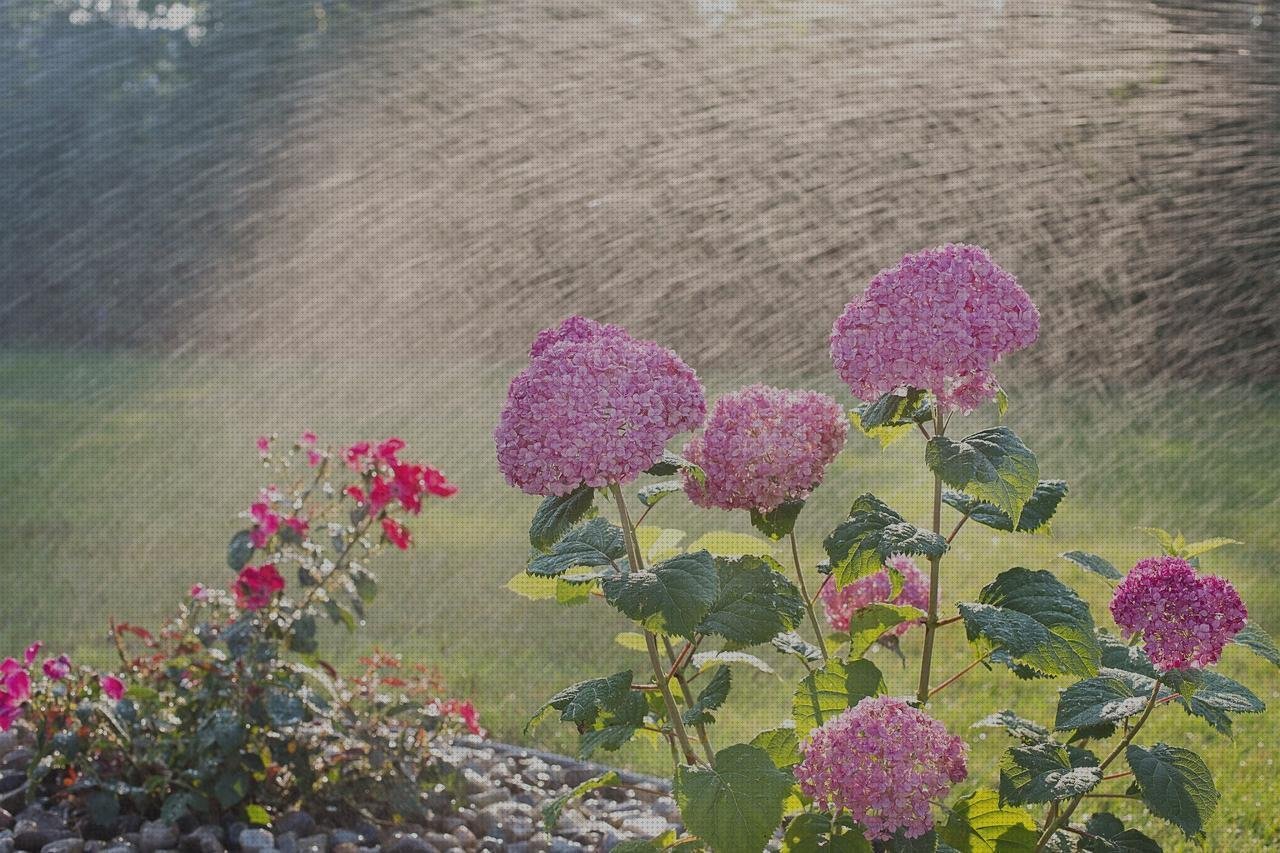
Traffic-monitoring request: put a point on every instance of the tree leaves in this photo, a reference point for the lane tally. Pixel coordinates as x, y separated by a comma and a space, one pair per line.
672, 597
872, 534
1036, 618
557, 514
896, 409
592, 545
992, 465
710, 698
781, 744
823, 694
1036, 513
670, 463
1176, 785
582, 702
791, 643
650, 495
1108, 835
811, 833
755, 603
736, 805
1112, 696
1258, 641
869, 623
978, 823
551, 811
240, 550
1046, 772
1093, 563
1023, 729
779, 521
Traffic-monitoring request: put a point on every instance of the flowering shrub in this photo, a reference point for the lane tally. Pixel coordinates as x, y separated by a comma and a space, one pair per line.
855, 769
228, 709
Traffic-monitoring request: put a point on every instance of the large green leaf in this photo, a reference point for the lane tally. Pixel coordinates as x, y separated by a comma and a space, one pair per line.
1106, 834
557, 514
736, 805
240, 550
992, 465
582, 702
1112, 696
781, 744
1258, 641
872, 534
710, 698
756, 602
869, 623
614, 726
823, 694
672, 597
1038, 620
592, 545
1212, 696
1093, 563
979, 824
791, 643
811, 833
1046, 772
1176, 785
1036, 513
1015, 726
779, 521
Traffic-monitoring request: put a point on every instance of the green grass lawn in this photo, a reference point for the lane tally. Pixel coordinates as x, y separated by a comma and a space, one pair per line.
122, 477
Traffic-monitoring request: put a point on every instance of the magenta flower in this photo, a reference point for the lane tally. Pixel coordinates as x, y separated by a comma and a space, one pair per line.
265, 524
264, 446
112, 687
57, 668
763, 446
15, 689
255, 586
32, 650
884, 762
396, 532
1184, 617
594, 406
939, 320
841, 604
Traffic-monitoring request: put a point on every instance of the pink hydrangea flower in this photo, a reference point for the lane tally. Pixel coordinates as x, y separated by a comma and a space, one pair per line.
939, 320
594, 406
255, 586
841, 604
763, 446
112, 687
57, 668
1184, 617
884, 762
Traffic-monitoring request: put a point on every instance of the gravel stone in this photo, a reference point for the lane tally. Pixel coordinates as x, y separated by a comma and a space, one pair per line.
410, 844
299, 822
157, 835
66, 845
255, 839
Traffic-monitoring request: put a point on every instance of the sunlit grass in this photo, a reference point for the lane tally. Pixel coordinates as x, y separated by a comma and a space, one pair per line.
122, 478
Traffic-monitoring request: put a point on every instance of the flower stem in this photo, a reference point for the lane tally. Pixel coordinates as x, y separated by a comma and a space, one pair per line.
808, 602
935, 573
678, 671
650, 639
959, 675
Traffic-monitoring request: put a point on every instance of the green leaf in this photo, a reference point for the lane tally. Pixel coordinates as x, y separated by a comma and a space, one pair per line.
781, 744
791, 643
650, 495
1002, 403
1212, 696
1164, 537
222, 729
366, 585
1023, 729
896, 409
779, 521
340, 615
557, 514
869, 624
979, 824
1093, 563
711, 698
825, 693
176, 806
592, 545
1045, 773
705, 660
231, 788
1112, 696
1176, 785
811, 833
1108, 835
1204, 546
551, 811
615, 726
670, 464
582, 702
992, 465
672, 597
756, 602
736, 805
1257, 640
103, 808
257, 815
1036, 513
631, 640
1038, 620
872, 534
283, 707
240, 550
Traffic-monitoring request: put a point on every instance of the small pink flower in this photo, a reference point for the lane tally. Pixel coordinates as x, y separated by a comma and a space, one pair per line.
57, 668
298, 525
355, 493
396, 532
264, 446
308, 439
112, 687
387, 450
355, 455
255, 586
841, 604
32, 650
380, 494
265, 524
464, 711
314, 458
438, 484
15, 689
199, 592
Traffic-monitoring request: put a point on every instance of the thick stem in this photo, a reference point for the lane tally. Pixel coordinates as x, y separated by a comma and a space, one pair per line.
651, 641
678, 672
808, 602
935, 573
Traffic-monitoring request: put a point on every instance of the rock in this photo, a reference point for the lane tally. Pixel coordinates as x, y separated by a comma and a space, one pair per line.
439, 840
18, 759
318, 843
255, 838
287, 842
344, 836
157, 835
204, 839
411, 844
489, 844
8, 742
345, 847
35, 832
121, 848
12, 780
466, 838
564, 845
66, 845
6, 845
299, 822
648, 826
488, 798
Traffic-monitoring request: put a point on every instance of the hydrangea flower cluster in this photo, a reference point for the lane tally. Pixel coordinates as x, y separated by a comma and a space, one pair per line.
884, 762
594, 406
841, 604
763, 446
938, 320
1184, 617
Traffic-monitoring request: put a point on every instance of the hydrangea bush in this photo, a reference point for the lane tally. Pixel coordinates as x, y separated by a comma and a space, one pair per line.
855, 769
229, 710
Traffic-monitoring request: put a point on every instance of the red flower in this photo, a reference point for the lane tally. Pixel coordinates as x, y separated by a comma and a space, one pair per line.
299, 525
57, 668
264, 446
355, 455
437, 484
396, 532
380, 494
112, 687
355, 493
255, 586
408, 486
266, 523
32, 651
464, 711
386, 452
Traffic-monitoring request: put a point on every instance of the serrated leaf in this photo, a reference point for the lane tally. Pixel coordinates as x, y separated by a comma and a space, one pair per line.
595, 544
1036, 513
1023, 729
868, 624
1038, 620
557, 514
1164, 537
992, 465
650, 495
1002, 402
791, 643
1045, 773
736, 805
582, 702
755, 603
823, 694
779, 521
1093, 563
1113, 695
1212, 696
1175, 784
1204, 546
710, 698
552, 810
979, 824
672, 597
901, 407
1254, 638
704, 660
231, 788
1106, 834
872, 534
811, 833
782, 746
240, 550
670, 463
257, 815
614, 727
